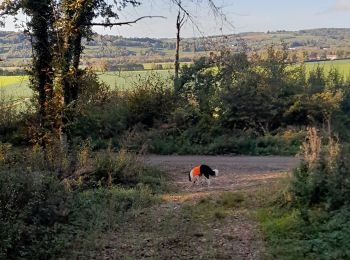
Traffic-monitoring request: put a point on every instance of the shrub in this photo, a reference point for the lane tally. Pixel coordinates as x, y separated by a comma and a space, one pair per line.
323, 179
34, 208
43, 218
315, 225
12, 120
149, 101
108, 168
325, 236
170, 142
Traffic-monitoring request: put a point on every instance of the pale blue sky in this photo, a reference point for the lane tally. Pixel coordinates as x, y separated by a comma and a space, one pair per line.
245, 15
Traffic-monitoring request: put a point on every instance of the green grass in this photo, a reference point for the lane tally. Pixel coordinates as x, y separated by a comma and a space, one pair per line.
127, 79
325, 236
343, 66
17, 86
14, 87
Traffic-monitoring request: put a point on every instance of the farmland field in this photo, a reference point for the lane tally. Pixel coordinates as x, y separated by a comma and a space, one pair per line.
343, 66
11, 80
17, 86
14, 86
127, 79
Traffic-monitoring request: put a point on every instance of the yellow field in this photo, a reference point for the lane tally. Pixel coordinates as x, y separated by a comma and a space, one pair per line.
11, 80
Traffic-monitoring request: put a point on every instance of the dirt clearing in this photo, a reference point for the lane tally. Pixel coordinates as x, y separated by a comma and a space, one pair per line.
235, 173
216, 222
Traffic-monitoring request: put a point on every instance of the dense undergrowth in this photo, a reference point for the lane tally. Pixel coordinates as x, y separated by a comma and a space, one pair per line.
57, 201
288, 236
312, 219
52, 211
227, 103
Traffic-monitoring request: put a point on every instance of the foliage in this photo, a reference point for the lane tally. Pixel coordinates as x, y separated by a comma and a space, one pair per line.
34, 208
323, 178
149, 101
124, 169
226, 103
287, 144
115, 113
314, 222
12, 121
42, 217
325, 236
56, 30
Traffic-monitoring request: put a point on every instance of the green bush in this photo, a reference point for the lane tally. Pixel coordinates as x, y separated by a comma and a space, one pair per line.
121, 168
34, 209
40, 218
326, 236
323, 179
13, 120
150, 100
164, 143
316, 224
102, 122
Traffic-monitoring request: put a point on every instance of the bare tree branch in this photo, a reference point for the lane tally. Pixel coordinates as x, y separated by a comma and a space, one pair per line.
126, 23
190, 17
217, 11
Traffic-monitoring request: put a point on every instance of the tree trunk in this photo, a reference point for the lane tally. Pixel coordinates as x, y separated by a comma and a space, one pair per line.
42, 80
179, 24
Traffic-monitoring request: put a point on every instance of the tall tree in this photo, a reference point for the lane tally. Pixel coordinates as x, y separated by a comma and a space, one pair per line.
57, 28
40, 29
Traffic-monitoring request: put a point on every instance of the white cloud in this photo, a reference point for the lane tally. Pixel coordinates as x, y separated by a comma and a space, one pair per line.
342, 6
339, 6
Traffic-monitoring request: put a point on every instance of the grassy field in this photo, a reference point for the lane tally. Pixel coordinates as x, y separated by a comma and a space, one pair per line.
14, 87
17, 86
127, 79
343, 66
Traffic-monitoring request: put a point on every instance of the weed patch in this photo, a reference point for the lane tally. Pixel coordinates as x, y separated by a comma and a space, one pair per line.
288, 236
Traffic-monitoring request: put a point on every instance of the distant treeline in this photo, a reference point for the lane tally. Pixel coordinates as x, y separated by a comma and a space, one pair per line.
12, 72
307, 45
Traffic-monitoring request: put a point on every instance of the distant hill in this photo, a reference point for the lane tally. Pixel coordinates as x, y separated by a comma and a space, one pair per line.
15, 49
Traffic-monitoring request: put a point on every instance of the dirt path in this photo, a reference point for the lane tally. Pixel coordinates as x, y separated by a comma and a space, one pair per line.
235, 173
202, 222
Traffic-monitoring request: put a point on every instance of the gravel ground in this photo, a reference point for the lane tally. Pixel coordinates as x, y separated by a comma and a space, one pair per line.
164, 232
235, 172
